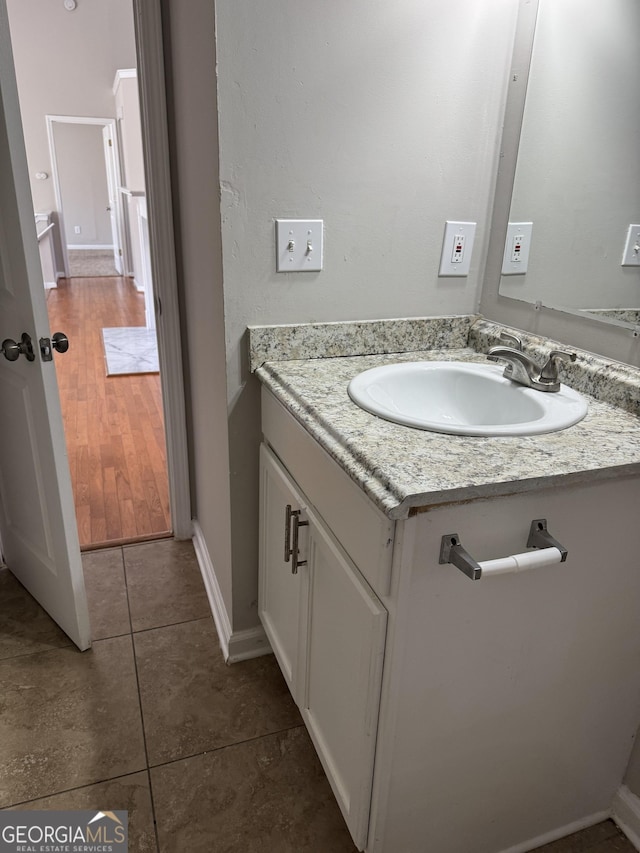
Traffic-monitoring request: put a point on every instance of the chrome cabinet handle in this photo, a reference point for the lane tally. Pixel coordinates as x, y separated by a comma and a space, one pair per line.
291, 547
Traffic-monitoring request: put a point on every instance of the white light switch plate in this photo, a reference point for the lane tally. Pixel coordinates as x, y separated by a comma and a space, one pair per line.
516, 248
631, 254
299, 245
457, 247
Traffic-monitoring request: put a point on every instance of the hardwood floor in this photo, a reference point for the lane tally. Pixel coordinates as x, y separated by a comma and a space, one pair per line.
114, 425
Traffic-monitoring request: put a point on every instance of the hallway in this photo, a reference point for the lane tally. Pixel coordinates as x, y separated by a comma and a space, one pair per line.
114, 425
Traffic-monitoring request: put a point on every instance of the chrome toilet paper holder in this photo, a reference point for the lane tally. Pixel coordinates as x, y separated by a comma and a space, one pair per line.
452, 550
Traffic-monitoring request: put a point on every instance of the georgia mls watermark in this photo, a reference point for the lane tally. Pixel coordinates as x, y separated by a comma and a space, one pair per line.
63, 832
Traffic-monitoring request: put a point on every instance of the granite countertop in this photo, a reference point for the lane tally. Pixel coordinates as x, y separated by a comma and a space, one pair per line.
403, 469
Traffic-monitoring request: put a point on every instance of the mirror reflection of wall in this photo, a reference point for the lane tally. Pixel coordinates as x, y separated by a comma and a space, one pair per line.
578, 169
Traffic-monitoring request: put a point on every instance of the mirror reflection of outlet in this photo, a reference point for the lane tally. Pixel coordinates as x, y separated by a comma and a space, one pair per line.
516, 248
631, 254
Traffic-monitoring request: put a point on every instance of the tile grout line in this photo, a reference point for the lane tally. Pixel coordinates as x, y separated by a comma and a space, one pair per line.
226, 746
153, 810
69, 645
144, 735
74, 788
207, 616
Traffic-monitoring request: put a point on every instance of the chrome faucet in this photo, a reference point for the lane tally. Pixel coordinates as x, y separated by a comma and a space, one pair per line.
520, 368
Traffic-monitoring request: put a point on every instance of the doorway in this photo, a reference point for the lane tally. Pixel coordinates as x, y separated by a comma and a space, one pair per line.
105, 481
87, 181
110, 390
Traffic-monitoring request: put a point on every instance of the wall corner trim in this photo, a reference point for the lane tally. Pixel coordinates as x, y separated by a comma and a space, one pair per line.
235, 645
625, 811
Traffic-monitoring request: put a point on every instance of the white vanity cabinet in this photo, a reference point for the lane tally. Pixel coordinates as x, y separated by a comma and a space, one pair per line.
508, 705
327, 629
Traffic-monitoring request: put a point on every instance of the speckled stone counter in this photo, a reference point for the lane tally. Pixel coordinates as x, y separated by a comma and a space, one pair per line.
403, 469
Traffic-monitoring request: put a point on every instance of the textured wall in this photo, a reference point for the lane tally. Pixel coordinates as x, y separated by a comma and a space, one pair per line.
381, 118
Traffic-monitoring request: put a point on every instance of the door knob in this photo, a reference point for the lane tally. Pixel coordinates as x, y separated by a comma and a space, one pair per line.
60, 342
13, 350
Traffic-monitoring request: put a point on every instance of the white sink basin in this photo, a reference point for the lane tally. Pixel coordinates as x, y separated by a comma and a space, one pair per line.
462, 398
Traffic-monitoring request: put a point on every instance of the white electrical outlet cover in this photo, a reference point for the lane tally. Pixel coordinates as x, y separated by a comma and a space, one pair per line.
457, 247
299, 245
631, 254
517, 244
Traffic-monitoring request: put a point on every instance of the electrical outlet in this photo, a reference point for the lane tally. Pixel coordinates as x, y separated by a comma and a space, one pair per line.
516, 248
631, 254
77, 229
456, 248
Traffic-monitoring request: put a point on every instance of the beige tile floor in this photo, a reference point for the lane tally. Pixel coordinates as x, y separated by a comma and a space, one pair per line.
206, 758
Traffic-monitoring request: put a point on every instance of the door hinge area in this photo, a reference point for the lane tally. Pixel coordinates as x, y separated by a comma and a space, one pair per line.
59, 342
110, 144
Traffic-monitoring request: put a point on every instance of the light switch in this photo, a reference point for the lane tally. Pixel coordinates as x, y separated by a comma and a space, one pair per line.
299, 245
631, 254
516, 248
456, 248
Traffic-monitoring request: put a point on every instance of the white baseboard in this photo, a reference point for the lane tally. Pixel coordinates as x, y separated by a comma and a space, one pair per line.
138, 287
78, 247
625, 811
49, 285
235, 645
251, 643
218, 607
561, 832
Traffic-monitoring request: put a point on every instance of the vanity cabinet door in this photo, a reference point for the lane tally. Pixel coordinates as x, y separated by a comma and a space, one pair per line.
344, 628
327, 629
279, 587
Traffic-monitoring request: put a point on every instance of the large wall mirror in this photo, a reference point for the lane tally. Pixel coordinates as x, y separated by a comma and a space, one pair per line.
578, 168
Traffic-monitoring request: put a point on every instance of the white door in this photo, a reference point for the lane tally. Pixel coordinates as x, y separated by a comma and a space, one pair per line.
37, 523
112, 184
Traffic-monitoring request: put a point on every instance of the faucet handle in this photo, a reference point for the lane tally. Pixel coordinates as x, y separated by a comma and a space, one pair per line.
508, 338
549, 372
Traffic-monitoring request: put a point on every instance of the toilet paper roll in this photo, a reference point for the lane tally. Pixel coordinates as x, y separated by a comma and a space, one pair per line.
521, 562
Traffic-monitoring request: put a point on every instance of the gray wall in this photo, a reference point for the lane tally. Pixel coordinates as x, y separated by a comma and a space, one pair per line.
632, 779
353, 113
83, 182
65, 65
191, 63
